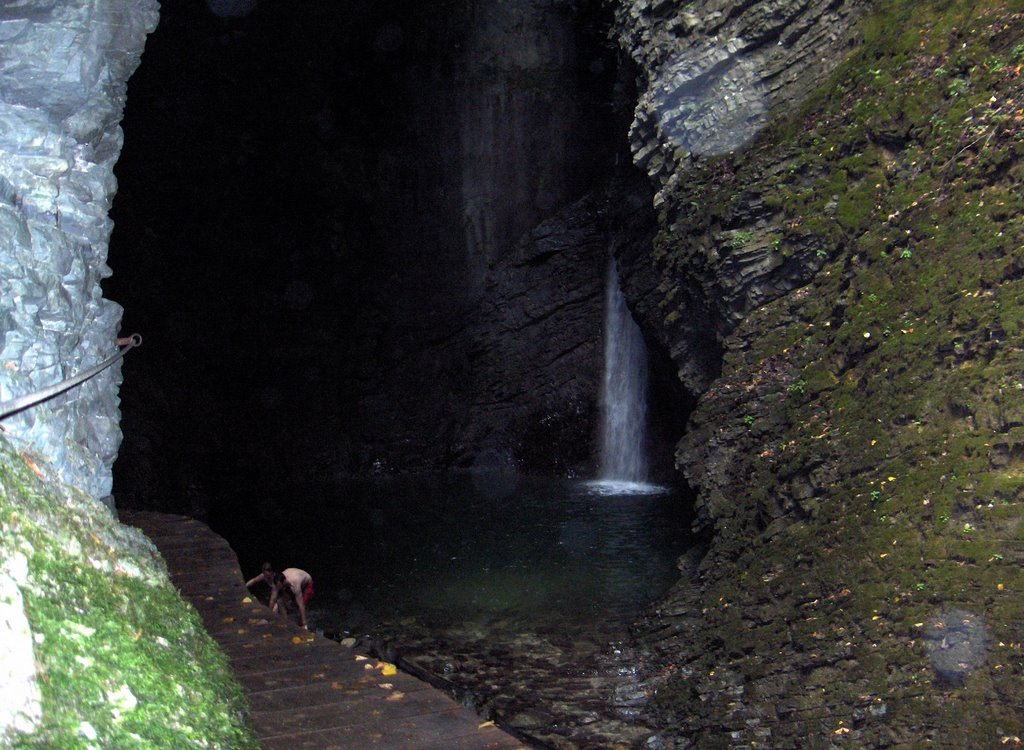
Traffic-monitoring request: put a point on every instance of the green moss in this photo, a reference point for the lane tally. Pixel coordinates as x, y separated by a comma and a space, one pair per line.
888, 390
121, 660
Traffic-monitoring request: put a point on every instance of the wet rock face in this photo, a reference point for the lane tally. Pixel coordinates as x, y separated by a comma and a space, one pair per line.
715, 71
492, 348
515, 387
536, 334
712, 75
63, 73
856, 454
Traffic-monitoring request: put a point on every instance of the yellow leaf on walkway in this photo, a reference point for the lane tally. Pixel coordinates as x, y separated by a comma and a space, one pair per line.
388, 669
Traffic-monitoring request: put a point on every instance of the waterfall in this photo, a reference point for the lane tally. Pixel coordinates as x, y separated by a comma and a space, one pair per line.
624, 395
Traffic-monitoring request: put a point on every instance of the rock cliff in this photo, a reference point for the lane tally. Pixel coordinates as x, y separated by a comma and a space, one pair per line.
64, 69
97, 649
838, 274
493, 345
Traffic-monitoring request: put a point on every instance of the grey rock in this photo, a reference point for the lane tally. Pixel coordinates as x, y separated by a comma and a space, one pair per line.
64, 69
711, 76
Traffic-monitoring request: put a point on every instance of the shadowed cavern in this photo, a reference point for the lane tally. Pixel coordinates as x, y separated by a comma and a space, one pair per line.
368, 244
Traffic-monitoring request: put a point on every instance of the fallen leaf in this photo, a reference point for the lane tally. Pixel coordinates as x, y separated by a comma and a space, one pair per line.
388, 669
485, 724
395, 696
385, 685
31, 464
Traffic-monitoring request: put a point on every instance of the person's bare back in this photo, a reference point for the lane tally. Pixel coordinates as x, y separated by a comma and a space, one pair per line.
296, 583
291, 583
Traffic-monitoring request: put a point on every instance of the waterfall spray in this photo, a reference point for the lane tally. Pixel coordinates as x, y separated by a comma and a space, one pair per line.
623, 467
624, 395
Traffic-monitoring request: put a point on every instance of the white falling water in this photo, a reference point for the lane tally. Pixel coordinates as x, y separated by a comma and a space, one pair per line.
623, 397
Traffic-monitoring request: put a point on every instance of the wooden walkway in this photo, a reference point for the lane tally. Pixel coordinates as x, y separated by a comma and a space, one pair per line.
307, 691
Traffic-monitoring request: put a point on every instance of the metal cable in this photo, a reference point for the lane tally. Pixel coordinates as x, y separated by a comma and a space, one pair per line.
21, 403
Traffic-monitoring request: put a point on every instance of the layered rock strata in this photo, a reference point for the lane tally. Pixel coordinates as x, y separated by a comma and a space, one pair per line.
492, 347
64, 68
856, 269
712, 75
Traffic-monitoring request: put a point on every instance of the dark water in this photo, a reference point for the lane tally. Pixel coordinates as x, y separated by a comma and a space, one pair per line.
450, 548
517, 593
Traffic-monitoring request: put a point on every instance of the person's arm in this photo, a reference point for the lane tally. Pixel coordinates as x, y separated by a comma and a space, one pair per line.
252, 581
273, 598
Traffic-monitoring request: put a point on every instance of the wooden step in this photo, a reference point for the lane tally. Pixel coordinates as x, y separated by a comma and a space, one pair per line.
307, 691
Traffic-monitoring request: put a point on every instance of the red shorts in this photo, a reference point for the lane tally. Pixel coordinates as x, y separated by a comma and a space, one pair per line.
307, 592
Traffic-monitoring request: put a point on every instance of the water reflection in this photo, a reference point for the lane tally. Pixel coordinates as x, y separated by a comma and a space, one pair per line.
516, 594
444, 549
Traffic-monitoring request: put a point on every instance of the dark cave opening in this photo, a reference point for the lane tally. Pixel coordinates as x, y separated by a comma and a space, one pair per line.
289, 231
366, 251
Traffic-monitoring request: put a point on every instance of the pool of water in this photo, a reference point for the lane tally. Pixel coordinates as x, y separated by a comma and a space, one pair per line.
498, 584
447, 548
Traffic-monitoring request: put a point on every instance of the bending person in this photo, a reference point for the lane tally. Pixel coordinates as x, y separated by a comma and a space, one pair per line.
266, 575
293, 583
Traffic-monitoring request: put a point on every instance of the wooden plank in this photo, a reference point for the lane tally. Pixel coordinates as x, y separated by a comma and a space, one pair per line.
307, 691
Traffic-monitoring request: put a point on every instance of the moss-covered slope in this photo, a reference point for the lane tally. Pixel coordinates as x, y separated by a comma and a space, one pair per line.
860, 460
116, 658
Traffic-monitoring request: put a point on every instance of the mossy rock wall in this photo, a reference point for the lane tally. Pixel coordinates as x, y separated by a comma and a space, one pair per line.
97, 648
860, 458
